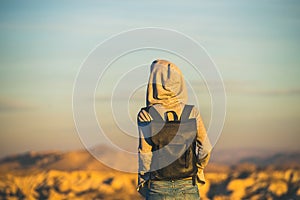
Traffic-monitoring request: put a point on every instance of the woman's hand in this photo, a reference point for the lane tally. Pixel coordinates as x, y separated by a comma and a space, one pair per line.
144, 116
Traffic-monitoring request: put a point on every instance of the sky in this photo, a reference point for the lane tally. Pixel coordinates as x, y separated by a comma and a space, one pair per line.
255, 45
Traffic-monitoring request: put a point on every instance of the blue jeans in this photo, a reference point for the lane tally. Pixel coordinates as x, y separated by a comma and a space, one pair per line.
172, 190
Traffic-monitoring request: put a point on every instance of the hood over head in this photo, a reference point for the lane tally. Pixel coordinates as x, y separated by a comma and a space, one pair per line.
166, 85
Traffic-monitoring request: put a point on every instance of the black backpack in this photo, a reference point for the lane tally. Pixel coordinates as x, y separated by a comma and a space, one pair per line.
173, 145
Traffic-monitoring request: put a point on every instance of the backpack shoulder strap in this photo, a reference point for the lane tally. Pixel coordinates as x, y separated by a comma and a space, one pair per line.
186, 112
153, 113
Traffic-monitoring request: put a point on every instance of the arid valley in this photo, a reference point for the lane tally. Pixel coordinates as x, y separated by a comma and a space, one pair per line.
77, 175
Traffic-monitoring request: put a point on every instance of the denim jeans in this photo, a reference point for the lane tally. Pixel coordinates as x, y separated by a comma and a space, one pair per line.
172, 190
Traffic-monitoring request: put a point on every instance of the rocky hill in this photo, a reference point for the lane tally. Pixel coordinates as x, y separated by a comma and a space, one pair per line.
77, 175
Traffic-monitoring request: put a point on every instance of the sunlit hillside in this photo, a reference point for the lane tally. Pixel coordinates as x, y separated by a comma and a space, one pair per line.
77, 175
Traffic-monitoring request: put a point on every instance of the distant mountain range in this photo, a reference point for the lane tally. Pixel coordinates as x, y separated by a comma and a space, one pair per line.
261, 158
83, 160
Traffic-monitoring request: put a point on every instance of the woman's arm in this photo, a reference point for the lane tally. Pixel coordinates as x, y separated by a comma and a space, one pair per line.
203, 143
144, 148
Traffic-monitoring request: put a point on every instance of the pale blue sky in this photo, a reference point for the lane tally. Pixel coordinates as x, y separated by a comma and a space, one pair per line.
255, 44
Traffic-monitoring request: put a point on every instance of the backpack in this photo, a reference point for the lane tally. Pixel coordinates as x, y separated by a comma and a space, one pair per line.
173, 145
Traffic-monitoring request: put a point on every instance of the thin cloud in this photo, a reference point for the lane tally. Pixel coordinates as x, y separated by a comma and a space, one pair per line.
11, 105
246, 88
274, 92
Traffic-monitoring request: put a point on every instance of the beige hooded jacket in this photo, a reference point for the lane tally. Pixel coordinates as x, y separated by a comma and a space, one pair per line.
167, 91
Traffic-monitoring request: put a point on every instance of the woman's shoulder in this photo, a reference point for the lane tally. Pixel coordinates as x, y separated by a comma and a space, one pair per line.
194, 112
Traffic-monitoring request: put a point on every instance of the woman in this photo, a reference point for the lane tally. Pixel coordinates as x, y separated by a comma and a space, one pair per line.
166, 92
